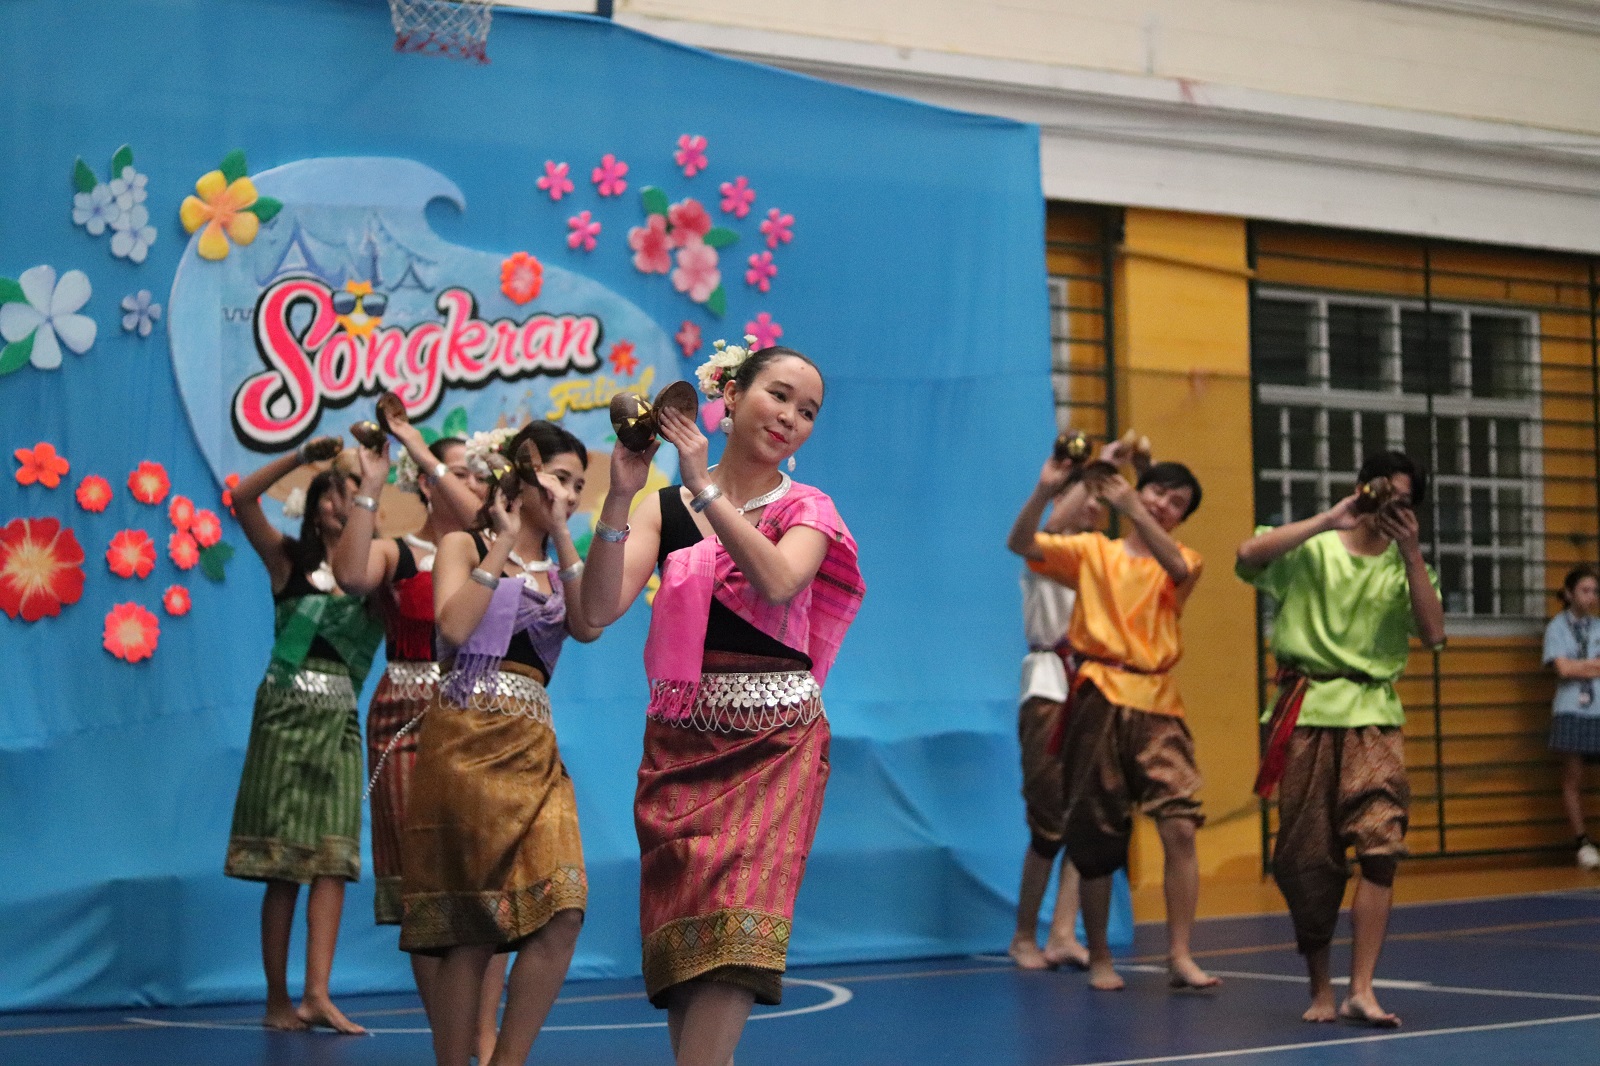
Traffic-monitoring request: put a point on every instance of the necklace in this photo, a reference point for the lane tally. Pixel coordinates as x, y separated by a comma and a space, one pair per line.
785, 483
538, 566
423, 551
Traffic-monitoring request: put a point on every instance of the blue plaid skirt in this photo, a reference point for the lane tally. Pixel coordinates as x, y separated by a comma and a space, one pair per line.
1576, 734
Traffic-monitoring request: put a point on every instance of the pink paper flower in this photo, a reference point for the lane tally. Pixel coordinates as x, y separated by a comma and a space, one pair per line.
688, 338
711, 414
737, 196
778, 227
689, 221
652, 249
555, 180
762, 271
697, 272
584, 231
691, 154
607, 177
765, 331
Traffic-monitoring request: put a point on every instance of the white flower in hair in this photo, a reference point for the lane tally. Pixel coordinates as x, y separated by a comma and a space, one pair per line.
294, 504
724, 363
480, 445
406, 473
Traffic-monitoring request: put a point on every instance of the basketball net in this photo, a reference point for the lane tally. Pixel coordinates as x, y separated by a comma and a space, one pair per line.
458, 29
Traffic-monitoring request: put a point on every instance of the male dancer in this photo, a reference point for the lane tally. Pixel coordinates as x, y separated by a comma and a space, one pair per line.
1125, 742
1352, 589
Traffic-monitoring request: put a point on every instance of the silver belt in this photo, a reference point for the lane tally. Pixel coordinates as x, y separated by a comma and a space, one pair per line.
753, 703
324, 686
412, 680
534, 700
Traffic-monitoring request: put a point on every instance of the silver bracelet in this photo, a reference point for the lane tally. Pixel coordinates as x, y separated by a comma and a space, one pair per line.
610, 535
484, 578
571, 573
703, 498
439, 471
365, 501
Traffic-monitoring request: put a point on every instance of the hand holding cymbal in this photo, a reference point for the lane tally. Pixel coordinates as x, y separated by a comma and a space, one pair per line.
637, 422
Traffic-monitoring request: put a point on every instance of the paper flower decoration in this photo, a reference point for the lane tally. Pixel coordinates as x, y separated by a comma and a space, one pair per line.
40, 465
117, 205
688, 338
652, 248
697, 273
521, 277
206, 528
140, 313
131, 632
555, 181
229, 483
608, 176
690, 222
737, 196
176, 600
149, 483
94, 493
132, 554
762, 271
180, 512
691, 154
38, 315
41, 568
622, 359
584, 231
763, 332
95, 209
134, 235
294, 504
778, 228
182, 550
226, 206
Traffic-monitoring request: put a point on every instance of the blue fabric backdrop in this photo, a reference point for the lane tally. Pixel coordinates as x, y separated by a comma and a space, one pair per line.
915, 278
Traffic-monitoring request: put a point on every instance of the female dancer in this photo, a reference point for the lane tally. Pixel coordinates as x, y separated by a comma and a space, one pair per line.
1571, 647
759, 581
491, 858
297, 819
399, 571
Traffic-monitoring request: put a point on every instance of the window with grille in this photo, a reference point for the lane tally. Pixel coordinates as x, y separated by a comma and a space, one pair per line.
1454, 386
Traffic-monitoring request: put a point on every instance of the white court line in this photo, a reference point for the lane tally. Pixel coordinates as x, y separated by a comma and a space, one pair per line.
1310, 1044
1403, 986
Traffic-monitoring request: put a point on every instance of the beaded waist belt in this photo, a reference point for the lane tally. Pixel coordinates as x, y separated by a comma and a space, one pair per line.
750, 703
493, 692
331, 687
412, 680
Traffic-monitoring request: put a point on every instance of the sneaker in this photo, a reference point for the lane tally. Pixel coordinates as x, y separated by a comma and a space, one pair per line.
1589, 856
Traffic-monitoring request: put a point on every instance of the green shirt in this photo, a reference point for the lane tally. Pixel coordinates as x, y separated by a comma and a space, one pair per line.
1340, 613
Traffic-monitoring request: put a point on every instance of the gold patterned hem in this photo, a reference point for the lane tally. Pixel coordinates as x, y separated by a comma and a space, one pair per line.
386, 901
266, 859
436, 921
737, 945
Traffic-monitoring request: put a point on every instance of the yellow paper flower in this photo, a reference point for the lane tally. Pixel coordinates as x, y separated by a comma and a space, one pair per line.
221, 208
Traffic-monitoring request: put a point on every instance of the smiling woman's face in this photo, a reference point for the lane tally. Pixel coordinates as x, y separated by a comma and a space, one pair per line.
776, 414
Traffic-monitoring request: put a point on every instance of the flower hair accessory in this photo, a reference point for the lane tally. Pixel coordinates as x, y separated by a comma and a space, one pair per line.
715, 373
406, 473
480, 445
294, 504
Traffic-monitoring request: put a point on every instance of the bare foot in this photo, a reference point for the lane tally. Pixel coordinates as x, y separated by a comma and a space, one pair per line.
282, 1016
1364, 1010
1026, 954
1104, 977
1068, 952
1183, 973
322, 1012
1321, 1009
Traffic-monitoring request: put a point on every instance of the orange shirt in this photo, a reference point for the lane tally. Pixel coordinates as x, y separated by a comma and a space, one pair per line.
1127, 612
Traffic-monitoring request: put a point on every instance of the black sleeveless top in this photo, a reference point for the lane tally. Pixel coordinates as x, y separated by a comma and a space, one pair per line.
521, 650
725, 631
297, 586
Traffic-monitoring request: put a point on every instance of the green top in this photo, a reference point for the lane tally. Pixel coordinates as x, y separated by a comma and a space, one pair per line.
1340, 613
345, 622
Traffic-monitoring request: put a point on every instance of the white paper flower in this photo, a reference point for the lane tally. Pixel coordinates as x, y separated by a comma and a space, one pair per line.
141, 313
95, 210
49, 315
134, 234
128, 188
294, 504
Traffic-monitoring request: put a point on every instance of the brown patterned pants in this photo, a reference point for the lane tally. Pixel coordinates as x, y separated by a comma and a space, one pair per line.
1341, 789
1114, 757
1037, 719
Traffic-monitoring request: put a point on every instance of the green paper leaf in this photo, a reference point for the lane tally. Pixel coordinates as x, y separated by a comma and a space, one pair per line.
123, 158
11, 292
394, 471
83, 178
581, 543
717, 302
720, 237
655, 201
455, 423
429, 434
214, 560
265, 208
15, 356
233, 166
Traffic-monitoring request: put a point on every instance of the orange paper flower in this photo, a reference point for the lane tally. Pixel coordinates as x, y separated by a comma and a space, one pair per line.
132, 554
41, 464
41, 568
181, 512
521, 277
94, 493
131, 632
176, 600
182, 550
148, 482
220, 207
231, 482
205, 528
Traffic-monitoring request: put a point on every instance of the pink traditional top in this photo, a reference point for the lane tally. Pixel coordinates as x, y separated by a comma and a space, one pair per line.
814, 621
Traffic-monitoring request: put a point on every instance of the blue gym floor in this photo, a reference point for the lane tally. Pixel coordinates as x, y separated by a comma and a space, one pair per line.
1503, 981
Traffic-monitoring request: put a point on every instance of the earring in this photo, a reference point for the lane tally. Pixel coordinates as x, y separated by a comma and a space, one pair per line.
726, 425
791, 464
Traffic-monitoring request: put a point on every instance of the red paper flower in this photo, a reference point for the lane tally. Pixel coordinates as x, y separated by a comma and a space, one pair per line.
182, 550
41, 568
231, 482
689, 221
181, 512
688, 338
205, 528
149, 483
622, 358
521, 277
131, 632
652, 248
94, 493
132, 554
176, 600
41, 464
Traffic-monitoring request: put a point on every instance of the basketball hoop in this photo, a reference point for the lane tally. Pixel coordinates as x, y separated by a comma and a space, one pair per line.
458, 29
